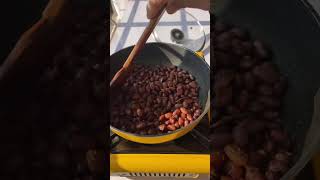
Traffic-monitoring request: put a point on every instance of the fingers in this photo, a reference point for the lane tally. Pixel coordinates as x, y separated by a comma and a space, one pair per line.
174, 5
199, 4
153, 7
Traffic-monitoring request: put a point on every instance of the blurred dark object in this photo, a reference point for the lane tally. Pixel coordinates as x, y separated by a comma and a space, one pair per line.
17, 17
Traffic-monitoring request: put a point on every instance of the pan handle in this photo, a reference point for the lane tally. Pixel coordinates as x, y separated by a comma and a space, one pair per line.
204, 141
209, 115
200, 54
114, 141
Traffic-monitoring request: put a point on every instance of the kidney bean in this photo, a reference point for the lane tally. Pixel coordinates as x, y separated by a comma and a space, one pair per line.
184, 110
189, 117
270, 175
223, 96
141, 125
177, 112
172, 121
139, 112
278, 135
253, 173
183, 115
168, 115
162, 117
269, 146
162, 127
240, 136
219, 140
249, 81
226, 178
255, 126
283, 156
181, 121
267, 72
236, 155
270, 114
277, 166
224, 78
247, 63
257, 159
236, 172
171, 127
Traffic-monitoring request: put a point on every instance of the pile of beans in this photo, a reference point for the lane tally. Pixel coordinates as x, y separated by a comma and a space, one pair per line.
247, 137
59, 131
156, 100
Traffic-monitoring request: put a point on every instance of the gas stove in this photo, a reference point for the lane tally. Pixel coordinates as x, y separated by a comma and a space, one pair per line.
186, 157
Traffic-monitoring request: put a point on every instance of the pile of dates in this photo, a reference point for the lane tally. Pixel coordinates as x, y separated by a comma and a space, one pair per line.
156, 100
58, 129
247, 137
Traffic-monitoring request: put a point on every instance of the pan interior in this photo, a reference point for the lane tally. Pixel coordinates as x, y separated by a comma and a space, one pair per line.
165, 55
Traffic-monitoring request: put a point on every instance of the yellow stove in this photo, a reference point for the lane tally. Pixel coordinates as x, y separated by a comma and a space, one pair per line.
186, 157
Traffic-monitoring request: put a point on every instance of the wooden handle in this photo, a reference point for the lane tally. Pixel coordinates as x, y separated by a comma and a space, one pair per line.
141, 42
117, 76
54, 8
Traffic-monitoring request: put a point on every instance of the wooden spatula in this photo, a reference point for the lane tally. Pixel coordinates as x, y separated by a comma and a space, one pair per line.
121, 75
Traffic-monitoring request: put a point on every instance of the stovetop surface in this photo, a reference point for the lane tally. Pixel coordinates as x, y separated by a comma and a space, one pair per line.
194, 142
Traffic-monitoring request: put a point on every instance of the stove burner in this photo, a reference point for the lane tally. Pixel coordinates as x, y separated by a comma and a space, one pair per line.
195, 142
177, 35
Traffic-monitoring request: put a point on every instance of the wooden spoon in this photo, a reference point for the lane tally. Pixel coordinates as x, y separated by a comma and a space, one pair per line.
121, 75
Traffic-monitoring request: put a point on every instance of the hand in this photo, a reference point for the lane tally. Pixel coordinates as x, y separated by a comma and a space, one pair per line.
154, 6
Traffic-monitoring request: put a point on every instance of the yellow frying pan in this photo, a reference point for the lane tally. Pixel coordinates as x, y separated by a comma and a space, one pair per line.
166, 55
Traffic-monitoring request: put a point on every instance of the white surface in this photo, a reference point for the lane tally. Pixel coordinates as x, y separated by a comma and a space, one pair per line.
133, 21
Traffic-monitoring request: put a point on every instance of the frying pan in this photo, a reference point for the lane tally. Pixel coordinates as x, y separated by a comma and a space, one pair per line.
291, 28
166, 55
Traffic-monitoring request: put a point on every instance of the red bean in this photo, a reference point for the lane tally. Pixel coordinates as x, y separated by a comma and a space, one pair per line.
181, 121
162, 117
183, 115
162, 127
189, 117
184, 110
177, 112
171, 127
172, 121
